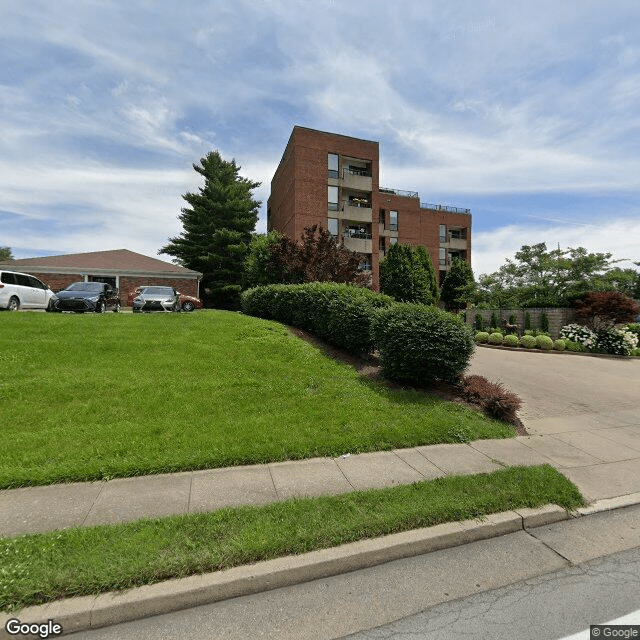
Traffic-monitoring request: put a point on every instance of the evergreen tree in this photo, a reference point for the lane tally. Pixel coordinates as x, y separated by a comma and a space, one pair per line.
217, 228
405, 275
432, 277
458, 285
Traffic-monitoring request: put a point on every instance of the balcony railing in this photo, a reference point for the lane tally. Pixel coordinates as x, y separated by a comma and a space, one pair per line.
361, 235
357, 203
365, 173
442, 207
399, 192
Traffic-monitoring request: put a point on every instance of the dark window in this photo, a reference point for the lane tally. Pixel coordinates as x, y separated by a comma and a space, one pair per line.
8, 278
22, 280
381, 219
332, 162
393, 220
35, 283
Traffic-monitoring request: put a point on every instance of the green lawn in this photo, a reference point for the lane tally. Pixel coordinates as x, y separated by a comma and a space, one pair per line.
98, 396
44, 567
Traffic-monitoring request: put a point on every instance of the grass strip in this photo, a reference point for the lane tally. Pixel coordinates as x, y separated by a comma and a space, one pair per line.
40, 568
93, 397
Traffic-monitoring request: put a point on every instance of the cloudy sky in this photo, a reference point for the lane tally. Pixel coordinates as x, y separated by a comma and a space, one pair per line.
527, 113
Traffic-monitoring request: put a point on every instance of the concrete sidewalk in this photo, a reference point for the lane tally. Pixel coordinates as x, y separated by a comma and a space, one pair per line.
603, 461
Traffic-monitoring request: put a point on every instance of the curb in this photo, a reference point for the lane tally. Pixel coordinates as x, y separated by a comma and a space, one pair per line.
90, 612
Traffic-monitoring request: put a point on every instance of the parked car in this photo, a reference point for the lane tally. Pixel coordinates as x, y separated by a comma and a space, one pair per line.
157, 299
86, 296
187, 303
22, 290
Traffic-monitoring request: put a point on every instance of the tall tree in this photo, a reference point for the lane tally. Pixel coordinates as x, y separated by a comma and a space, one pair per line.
405, 276
422, 254
5, 254
217, 228
458, 285
259, 265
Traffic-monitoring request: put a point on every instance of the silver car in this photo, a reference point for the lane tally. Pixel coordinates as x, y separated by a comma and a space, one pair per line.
157, 299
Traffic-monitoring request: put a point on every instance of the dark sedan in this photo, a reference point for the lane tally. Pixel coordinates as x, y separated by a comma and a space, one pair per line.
86, 296
157, 299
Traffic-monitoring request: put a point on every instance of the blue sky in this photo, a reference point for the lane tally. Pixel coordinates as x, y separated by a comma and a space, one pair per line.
527, 113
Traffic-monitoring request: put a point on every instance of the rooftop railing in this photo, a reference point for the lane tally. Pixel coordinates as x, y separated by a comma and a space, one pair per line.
443, 207
399, 192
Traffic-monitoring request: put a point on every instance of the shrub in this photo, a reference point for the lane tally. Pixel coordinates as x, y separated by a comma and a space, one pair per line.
634, 327
580, 334
341, 314
559, 345
635, 352
481, 337
615, 342
528, 342
420, 344
511, 340
576, 347
544, 342
495, 338
544, 322
494, 320
492, 397
527, 320
479, 322
513, 319
603, 309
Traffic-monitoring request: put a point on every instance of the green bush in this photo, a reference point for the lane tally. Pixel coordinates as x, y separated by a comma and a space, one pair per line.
527, 320
511, 340
513, 319
635, 352
420, 344
544, 322
576, 347
559, 345
495, 338
340, 314
481, 337
494, 324
479, 322
528, 342
544, 342
634, 327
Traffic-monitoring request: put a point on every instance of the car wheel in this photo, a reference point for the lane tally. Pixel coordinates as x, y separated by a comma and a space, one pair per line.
187, 305
116, 308
100, 307
14, 304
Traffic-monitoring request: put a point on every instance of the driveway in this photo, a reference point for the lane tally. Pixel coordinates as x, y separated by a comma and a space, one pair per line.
565, 392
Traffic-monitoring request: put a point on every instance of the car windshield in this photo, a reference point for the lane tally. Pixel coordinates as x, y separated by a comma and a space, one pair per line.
157, 291
85, 286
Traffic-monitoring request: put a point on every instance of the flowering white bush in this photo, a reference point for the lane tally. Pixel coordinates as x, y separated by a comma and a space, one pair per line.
580, 334
614, 341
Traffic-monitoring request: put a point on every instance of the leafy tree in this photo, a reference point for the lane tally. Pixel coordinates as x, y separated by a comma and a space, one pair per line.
541, 278
405, 275
217, 228
5, 254
317, 257
458, 285
601, 310
260, 267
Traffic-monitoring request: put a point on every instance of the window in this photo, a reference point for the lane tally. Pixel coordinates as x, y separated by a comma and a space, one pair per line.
381, 244
393, 220
393, 241
365, 264
333, 198
332, 226
443, 233
381, 218
332, 161
443, 256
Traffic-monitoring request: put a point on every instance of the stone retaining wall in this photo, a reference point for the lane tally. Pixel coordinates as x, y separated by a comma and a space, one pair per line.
557, 318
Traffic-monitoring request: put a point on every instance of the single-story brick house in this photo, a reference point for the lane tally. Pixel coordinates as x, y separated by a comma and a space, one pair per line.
121, 268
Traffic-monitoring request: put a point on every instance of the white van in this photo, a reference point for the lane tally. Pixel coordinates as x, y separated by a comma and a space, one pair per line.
20, 290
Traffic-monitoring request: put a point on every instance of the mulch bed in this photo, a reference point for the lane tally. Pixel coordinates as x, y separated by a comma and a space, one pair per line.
371, 367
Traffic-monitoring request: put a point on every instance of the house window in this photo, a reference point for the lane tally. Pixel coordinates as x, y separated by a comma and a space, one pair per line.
333, 198
393, 220
443, 233
393, 241
443, 256
332, 225
332, 161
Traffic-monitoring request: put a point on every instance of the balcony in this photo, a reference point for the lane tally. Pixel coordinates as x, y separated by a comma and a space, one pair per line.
457, 243
358, 210
357, 240
359, 179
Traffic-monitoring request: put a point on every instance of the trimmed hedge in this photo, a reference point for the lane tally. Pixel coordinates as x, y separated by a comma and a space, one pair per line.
528, 342
544, 342
340, 314
559, 345
420, 344
511, 340
481, 336
495, 338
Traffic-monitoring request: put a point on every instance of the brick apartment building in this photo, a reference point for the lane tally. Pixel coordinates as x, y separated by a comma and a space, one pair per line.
333, 181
